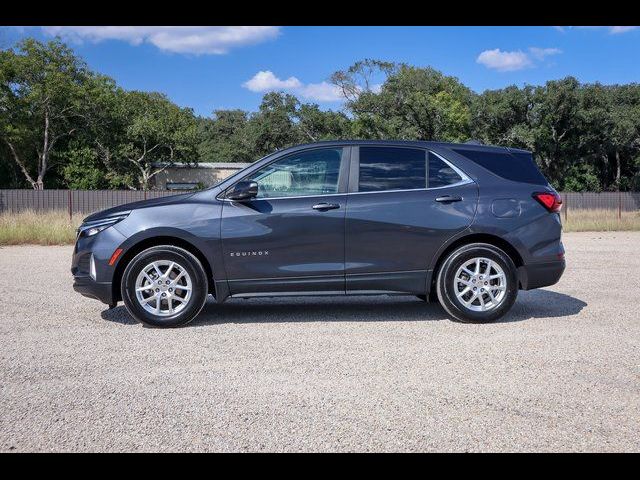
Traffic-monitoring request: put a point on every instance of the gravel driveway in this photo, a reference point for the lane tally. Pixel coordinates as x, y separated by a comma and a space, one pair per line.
562, 372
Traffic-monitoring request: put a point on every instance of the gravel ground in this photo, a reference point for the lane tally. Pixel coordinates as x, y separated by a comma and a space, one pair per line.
561, 372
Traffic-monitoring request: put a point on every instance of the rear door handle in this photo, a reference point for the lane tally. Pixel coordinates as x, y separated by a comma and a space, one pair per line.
449, 199
326, 206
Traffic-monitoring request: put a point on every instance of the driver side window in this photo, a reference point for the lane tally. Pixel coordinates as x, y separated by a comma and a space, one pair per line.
308, 173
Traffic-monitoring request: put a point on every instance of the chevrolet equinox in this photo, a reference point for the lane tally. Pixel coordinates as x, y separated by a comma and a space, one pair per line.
463, 224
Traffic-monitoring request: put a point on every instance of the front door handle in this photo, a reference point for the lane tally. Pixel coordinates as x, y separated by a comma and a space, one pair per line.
448, 199
323, 207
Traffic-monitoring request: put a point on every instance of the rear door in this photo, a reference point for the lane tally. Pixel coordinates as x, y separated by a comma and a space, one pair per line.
404, 203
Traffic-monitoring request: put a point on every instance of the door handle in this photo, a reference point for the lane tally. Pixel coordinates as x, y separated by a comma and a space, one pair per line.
326, 206
449, 199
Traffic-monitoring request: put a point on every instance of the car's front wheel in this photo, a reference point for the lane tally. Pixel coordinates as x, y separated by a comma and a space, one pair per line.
164, 286
477, 283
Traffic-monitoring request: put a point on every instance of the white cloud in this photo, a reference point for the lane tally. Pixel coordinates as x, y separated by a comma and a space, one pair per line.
194, 40
322, 92
266, 80
615, 30
541, 53
516, 60
612, 30
504, 61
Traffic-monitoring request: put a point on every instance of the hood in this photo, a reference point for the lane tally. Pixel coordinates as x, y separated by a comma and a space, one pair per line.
127, 207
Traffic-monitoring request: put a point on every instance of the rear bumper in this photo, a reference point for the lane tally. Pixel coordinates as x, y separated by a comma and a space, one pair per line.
538, 275
86, 286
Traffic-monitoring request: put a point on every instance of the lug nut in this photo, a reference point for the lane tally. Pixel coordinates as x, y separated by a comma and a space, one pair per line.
157, 289
171, 289
475, 288
482, 290
164, 294
486, 283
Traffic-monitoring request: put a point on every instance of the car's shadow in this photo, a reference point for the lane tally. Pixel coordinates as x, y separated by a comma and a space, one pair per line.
530, 305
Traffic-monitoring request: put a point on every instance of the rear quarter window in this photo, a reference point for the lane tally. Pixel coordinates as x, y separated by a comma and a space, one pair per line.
441, 174
515, 166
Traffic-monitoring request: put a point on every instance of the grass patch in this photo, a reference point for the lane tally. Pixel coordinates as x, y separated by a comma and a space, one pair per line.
50, 228
600, 221
54, 228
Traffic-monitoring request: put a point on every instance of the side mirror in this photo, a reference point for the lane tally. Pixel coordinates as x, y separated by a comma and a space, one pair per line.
243, 191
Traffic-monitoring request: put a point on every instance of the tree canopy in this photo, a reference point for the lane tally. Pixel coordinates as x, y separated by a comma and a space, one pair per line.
63, 125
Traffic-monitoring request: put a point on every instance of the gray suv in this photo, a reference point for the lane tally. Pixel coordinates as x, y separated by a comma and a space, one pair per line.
465, 225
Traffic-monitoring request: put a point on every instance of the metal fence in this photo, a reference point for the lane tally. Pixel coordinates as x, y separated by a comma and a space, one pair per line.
72, 201
88, 201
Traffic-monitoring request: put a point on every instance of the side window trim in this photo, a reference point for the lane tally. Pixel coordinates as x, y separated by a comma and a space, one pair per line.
343, 181
354, 172
464, 178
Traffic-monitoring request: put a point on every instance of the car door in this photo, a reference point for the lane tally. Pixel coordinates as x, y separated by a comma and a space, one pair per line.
395, 223
290, 237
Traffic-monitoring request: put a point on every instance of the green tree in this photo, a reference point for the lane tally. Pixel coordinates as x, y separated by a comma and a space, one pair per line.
42, 100
503, 117
362, 77
149, 134
581, 177
413, 104
556, 126
315, 124
222, 137
83, 170
272, 127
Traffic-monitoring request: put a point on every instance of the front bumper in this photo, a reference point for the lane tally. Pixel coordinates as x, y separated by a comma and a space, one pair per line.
88, 287
100, 246
537, 275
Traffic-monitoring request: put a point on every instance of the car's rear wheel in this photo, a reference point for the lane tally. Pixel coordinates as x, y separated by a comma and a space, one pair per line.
164, 286
477, 283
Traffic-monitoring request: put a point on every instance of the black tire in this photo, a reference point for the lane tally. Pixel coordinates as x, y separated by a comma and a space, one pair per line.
173, 254
445, 283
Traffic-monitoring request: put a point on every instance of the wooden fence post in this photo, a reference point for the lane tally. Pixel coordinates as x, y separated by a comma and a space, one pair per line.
619, 205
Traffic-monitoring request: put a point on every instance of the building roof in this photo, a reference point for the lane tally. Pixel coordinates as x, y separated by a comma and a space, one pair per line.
215, 165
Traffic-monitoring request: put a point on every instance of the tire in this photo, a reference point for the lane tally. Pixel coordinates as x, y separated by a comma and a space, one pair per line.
453, 279
183, 281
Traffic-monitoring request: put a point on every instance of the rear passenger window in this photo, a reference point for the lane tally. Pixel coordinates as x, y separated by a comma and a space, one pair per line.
441, 174
391, 168
516, 166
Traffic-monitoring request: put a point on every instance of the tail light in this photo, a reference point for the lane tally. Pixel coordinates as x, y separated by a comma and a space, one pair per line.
549, 200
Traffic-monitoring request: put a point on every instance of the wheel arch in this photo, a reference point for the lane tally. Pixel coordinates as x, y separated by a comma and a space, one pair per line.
494, 240
155, 241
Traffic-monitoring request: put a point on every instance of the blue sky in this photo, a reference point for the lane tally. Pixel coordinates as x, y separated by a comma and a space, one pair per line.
208, 68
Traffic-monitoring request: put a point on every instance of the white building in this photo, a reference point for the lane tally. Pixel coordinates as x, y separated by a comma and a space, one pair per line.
182, 176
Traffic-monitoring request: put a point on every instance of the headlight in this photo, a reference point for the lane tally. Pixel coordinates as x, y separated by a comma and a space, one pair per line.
89, 229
